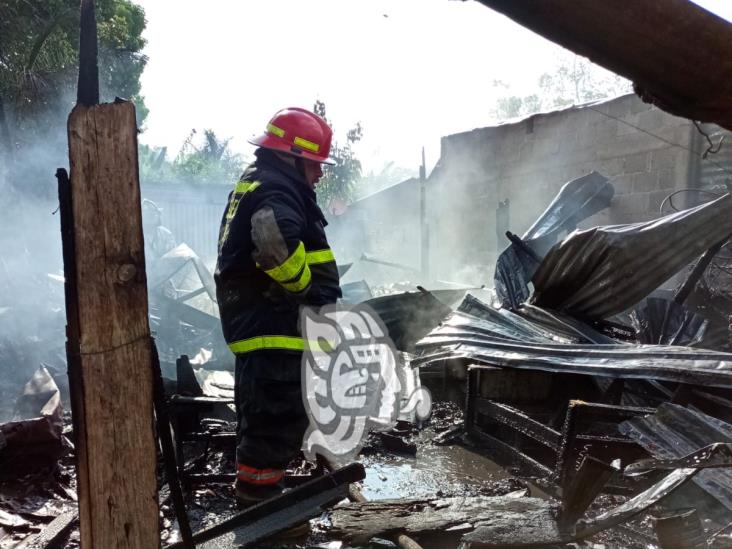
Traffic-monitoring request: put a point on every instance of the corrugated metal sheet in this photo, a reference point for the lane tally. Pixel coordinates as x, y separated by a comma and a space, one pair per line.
604, 271
665, 322
674, 431
576, 201
507, 343
410, 315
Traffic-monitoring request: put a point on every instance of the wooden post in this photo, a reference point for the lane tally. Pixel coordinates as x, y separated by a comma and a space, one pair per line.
108, 334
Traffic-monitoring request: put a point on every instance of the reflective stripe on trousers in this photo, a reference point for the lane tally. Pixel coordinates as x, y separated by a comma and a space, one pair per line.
259, 477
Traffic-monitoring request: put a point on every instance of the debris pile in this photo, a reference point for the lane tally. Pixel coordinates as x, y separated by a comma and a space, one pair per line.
596, 370
597, 407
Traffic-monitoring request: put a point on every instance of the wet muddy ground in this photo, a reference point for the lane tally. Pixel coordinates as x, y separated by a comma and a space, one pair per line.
29, 503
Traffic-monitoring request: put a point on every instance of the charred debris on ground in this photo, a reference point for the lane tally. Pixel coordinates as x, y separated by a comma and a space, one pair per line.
601, 406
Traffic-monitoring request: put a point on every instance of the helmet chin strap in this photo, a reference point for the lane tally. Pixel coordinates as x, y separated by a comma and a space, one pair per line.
300, 166
296, 162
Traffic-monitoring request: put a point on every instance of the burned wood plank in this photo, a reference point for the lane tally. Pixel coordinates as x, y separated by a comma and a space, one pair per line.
88, 85
108, 344
517, 420
646, 41
584, 487
281, 512
53, 534
499, 521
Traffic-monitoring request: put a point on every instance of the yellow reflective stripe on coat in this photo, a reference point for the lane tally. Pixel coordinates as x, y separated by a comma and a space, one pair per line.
267, 342
300, 284
291, 267
319, 256
243, 187
292, 343
305, 144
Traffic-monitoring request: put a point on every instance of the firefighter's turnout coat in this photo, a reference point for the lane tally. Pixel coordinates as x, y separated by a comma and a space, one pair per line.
273, 258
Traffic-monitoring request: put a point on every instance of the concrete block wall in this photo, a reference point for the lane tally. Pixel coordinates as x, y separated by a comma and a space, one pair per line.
385, 225
641, 148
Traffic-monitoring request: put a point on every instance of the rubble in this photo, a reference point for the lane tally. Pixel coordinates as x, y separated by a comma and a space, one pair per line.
33, 439
564, 402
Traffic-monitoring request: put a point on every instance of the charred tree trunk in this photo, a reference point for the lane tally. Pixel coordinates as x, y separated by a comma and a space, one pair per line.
108, 345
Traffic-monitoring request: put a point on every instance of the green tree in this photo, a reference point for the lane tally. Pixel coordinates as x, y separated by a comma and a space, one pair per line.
201, 160
39, 42
339, 181
575, 80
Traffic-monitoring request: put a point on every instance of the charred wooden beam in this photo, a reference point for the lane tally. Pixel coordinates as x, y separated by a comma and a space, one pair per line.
504, 521
168, 450
52, 535
282, 512
584, 487
88, 88
108, 334
646, 41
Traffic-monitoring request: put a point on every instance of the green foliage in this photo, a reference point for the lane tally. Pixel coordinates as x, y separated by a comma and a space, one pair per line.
574, 81
39, 42
211, 161
339, 181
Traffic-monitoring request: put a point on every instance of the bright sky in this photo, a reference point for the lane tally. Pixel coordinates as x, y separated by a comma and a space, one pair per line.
410, 71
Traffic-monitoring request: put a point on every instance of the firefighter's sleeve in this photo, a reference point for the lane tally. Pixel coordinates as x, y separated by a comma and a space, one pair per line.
277, 225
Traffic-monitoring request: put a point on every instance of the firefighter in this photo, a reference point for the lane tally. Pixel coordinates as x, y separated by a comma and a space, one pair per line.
273, 259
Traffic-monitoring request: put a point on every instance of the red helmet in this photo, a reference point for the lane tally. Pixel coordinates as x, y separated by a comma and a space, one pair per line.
297, 132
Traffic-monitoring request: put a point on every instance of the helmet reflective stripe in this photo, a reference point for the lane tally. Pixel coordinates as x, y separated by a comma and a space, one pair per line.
305, 144
279, 132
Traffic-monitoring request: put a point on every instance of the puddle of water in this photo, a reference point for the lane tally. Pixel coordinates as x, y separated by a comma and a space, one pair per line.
446, 469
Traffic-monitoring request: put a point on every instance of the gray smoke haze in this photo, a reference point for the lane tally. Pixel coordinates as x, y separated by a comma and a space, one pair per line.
32, 313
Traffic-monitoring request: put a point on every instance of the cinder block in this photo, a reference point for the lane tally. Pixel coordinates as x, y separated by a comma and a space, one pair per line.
668, 179
644, 182
653, 119
546, 147
610, 167
619, 107
627, 145
666, 158
606, 130
638, 106
622, 184
636, 163
628, 125
629, 204
656, 198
